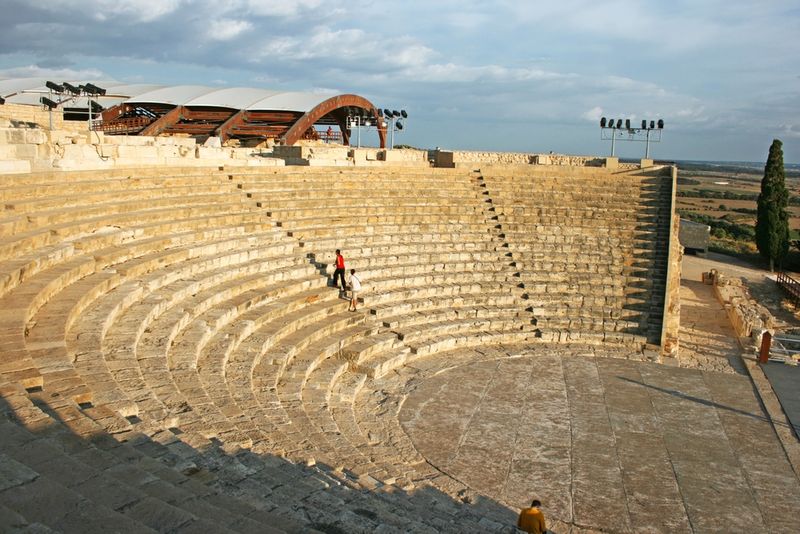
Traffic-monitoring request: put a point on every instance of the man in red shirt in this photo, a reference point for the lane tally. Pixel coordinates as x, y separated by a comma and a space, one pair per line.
339, 272
531, 519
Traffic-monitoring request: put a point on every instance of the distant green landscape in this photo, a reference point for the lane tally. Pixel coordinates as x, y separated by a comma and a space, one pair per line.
723, 196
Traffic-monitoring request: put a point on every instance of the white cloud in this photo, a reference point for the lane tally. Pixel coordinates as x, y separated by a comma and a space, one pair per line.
34, 71
280, 46
593, 114
227, 29
325, 91
119, 11
791, 130
280, 8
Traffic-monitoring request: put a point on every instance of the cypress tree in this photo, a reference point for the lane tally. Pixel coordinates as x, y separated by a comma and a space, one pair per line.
772, 224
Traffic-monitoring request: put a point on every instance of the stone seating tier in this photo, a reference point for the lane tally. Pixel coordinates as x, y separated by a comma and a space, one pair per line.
308, 230
97, 482
176, 320
298, 217
354, 197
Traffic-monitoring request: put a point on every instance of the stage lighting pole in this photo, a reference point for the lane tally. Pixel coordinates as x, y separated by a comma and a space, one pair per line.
89, 104
50, 110
613, 138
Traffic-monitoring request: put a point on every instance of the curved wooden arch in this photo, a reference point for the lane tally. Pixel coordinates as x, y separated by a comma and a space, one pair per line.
295, 133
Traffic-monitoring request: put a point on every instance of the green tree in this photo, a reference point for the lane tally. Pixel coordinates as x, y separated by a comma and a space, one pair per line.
772, 223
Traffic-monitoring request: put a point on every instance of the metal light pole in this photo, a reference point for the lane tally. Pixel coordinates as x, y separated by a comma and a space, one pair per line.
611, 129
613, 138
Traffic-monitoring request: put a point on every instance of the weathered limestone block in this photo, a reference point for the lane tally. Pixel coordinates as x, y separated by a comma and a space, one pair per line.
168, 151
130, 140
746, 315
360, 155
35, 136
213, 142
672, 310
311, 152
12, 136
13, 166
405, 155
31, 114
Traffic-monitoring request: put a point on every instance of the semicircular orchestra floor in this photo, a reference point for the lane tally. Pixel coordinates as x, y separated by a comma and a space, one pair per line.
606, 443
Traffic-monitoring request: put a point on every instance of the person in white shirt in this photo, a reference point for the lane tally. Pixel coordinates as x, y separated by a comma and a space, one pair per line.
355, 287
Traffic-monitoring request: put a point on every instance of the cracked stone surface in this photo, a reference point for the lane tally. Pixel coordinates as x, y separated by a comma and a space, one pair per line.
608, 444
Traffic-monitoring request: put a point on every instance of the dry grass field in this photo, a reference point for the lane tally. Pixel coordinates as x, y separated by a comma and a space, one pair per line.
727, 193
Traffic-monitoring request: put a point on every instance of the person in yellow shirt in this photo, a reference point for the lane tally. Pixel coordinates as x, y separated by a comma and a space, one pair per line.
531, 519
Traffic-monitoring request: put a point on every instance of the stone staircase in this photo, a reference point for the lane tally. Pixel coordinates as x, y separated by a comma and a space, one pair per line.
591, 247
175, 358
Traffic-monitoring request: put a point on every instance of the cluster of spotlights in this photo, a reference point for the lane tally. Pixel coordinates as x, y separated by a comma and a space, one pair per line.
618, 125
395, 115
70, 90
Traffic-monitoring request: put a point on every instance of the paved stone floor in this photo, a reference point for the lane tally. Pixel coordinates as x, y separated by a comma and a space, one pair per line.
608, 444
707, 339
785, 380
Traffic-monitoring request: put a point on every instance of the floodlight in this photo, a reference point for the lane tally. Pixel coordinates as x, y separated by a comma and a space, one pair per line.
403, 113
396, 113
619, 123
628, 124
387, 113
92, 89
602, 122
652, 125
399, 125
47, 102
660, 124
54, 87
96, 108
71, 88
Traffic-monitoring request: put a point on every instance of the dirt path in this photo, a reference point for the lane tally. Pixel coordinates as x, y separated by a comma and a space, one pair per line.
707, 340
760, 282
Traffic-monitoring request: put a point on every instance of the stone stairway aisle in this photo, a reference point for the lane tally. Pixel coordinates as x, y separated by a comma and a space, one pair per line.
659, 191
591, 249
502, 246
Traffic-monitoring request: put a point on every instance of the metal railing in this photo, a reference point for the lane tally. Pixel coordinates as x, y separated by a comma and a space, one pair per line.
784, 347
790, 286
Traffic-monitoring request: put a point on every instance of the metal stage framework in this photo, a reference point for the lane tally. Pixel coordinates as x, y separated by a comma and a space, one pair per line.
200, 111
614, 129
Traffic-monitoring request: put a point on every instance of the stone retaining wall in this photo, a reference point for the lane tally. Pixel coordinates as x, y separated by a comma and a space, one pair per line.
748, 318
511, 158
34, 148
672, 307
466, 158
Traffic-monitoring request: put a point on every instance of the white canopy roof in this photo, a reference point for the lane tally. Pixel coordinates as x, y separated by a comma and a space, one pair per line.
28, 91
248, 98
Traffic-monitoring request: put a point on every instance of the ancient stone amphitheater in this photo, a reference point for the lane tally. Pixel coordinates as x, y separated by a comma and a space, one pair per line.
176, 359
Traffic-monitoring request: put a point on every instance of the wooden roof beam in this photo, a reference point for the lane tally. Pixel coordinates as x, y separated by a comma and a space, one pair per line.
224, 130
167, 120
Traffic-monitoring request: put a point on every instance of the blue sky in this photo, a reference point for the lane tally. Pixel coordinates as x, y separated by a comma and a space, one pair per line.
506, 75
